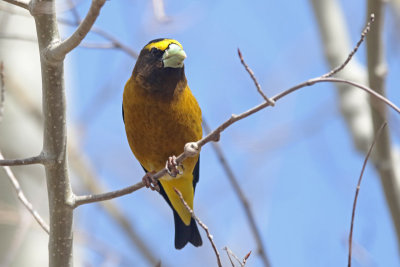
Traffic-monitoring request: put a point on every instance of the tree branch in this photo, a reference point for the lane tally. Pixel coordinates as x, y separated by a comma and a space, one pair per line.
21, 196
60, 49
242, 197
378, 134
18, 3
80, 200
209, 236
353, 52
59, 189
258, 86
27, 161
384, 160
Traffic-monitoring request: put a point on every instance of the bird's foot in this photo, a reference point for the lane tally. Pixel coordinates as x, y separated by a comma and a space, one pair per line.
192, 149
172, 166
150, 182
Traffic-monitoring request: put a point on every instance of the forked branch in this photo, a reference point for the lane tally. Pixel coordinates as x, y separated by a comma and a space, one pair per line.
59, 50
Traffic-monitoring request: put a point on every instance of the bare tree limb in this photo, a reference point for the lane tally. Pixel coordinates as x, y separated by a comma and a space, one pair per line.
18, 3
60, 195
80, 200
21, 196
27, 161
60, 49
209, 236
378, 134
384, 160
242, 197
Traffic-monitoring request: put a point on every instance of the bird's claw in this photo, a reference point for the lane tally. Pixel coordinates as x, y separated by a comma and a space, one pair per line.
150, 182
172, 167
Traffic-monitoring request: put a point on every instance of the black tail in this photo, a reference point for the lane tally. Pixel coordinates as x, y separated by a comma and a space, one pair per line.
186, 233
183, 233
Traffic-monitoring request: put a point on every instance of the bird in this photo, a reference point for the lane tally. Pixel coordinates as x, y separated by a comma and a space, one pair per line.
161, 115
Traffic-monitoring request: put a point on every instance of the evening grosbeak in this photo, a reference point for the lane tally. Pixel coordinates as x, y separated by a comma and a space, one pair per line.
161, 115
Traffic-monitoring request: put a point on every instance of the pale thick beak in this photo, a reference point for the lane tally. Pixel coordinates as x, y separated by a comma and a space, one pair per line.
173, 56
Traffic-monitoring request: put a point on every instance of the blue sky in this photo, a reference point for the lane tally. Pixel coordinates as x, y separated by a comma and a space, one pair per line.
295, 162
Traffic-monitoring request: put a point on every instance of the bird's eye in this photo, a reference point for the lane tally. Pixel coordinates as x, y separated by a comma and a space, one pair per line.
154, 51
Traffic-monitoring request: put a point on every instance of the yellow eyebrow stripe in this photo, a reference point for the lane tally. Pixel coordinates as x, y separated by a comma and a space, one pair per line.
162, 45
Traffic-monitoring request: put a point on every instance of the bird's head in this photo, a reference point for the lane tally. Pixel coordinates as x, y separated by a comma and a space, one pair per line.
159, 66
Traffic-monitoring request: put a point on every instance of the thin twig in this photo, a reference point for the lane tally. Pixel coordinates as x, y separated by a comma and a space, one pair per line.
27, 161
350, 56
22, 4
358, 190
229, 256
23, 199
59, 50
210, 237
253, 77
242, 197
80, 200
119, 45
115, 41
230, 253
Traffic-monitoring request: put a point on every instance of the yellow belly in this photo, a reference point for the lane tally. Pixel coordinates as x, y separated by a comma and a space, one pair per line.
157, 128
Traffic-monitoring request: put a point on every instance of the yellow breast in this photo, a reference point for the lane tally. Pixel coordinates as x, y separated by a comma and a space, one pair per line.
158, 128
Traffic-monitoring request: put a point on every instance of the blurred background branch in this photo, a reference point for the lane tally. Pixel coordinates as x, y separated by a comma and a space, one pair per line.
362, 113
